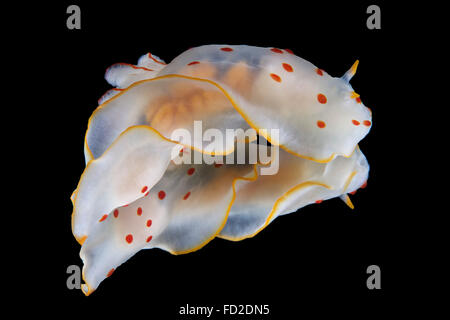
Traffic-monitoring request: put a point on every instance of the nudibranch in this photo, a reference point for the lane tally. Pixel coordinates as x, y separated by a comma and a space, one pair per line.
134, 194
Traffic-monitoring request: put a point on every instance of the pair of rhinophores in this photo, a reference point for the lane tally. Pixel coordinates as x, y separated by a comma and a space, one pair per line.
133, 196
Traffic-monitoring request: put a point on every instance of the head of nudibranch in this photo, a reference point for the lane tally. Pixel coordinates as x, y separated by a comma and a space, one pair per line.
324, 116
350, 103
347, 115
338, 94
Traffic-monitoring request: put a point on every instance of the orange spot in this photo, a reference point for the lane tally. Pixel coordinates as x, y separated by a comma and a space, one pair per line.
116, 213
192, 63
275, 77
218, 165
161, 194
289, 51
226, 49
81, 240
110, 272
319, 72
129, 238
358, 99
287, 67
364, 185
149, 222
191, 171
353, 94
103, 218
139, 211
319, 201
355, 122
186, 195
370, 110
144, 189
149, 238
321, 98
367, 123
276, 50
321, 124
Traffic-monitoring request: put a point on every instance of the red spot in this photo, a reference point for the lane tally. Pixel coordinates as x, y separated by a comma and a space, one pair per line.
353, 192
276, 50
125, 205
355, 122
110, 272
149, 238
192, 63
289, 51
148, 192
129, 238
186, 195
149, 222
358, 99
103, 218
287, 67
116, 213
364, 185
139, 211
144, 189
226, 49
321, 98
319, 201
319, 72
275, 77
191, 171
321, 124
367, 123
161, 194
218, 165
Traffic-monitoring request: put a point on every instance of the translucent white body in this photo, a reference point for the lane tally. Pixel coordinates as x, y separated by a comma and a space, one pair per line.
132, 195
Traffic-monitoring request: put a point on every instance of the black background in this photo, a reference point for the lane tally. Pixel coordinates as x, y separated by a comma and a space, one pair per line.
314, 259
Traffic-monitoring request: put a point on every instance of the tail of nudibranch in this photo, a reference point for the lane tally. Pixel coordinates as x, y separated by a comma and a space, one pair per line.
122, 75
